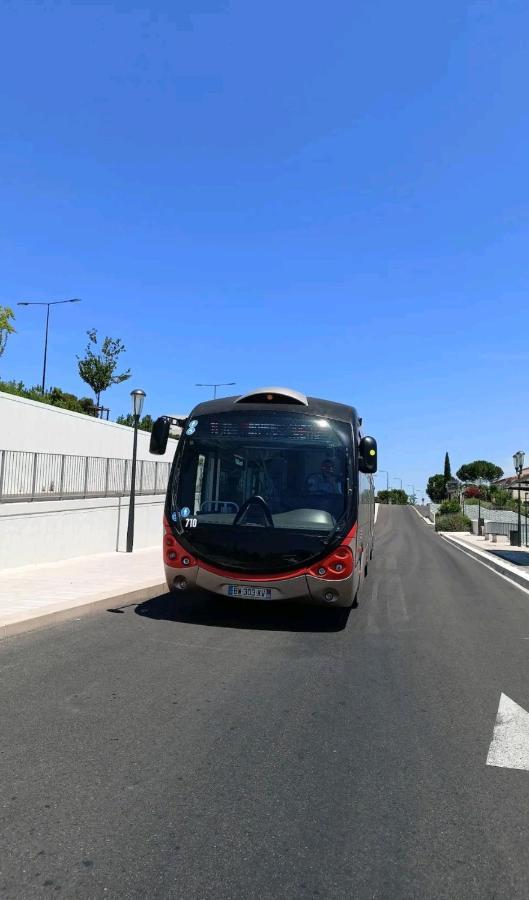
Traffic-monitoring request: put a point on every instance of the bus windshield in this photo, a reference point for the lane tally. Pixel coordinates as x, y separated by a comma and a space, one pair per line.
262, 486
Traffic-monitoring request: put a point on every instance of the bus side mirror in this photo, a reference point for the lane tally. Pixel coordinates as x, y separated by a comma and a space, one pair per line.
160, 436
368, 458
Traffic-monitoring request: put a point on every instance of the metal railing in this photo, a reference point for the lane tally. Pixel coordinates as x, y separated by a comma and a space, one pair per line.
53, 476
505, 529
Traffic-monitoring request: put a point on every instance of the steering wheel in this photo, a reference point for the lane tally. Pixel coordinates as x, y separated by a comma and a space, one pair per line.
260, 501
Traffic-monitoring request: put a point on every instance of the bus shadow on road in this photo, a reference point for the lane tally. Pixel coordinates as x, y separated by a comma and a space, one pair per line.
210, 610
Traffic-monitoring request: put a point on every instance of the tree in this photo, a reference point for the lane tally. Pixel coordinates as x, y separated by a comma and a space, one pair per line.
503, 500
395, 496
479, 469
436, 488
6, 328
97, 369
145, 424
448, 471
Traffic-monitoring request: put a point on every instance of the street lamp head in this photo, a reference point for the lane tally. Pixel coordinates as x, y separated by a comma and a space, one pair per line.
518, 459
138, 396
46, 302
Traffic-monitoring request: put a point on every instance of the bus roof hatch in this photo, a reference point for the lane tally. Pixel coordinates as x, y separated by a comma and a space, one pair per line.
274, 395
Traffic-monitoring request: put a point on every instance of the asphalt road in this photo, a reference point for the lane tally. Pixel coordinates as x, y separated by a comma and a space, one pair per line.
256, 751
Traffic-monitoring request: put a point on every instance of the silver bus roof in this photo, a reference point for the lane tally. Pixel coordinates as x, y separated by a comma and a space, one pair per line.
273, 394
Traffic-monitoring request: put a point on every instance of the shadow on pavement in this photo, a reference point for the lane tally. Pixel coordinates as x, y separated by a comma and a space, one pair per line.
209, 609
518, 557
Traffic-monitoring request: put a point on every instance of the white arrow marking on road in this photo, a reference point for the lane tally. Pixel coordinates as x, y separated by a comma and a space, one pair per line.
509, 747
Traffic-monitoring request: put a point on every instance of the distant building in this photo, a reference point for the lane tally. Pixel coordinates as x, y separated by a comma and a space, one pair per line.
511, 484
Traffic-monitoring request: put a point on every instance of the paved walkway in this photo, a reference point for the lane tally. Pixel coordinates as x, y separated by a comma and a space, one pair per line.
31, 595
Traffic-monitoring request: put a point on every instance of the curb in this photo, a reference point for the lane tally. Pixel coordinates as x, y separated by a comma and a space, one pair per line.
72, 612
427, 521
515, 577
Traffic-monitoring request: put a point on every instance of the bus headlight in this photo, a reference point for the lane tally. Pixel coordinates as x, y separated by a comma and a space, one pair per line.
339, 564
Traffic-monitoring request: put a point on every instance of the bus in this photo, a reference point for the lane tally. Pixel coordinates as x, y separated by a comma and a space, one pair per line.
270, 497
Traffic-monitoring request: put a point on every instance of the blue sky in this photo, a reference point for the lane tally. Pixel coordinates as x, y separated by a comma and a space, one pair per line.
329, 196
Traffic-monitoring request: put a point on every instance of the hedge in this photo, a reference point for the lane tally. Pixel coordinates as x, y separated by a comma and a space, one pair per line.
54, 397
453, 522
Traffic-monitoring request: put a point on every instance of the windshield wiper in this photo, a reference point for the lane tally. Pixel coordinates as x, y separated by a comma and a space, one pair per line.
341, 523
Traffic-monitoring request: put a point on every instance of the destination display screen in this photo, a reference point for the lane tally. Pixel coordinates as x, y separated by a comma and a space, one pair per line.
293, 429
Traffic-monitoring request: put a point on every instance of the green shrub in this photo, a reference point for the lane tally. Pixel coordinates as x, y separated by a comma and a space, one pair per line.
449, 506
453, 522
54, 397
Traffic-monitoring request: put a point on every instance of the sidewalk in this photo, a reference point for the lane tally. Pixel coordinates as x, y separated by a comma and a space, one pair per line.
32, 596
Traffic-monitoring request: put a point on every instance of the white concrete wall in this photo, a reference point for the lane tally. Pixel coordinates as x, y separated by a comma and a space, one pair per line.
29, 425
38, 532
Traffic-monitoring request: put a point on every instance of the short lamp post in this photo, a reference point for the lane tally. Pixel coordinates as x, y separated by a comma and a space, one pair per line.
518, 459
137, 405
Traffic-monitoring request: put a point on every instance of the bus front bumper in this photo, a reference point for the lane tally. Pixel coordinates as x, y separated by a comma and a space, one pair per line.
301, 588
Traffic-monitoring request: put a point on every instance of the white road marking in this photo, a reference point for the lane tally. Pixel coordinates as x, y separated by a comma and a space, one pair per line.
509, 747
482, 562
425, 520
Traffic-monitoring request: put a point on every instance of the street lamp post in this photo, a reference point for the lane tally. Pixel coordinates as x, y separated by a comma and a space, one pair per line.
518, 459
51, 303
412, 490
216, 385
386, 473
138, 397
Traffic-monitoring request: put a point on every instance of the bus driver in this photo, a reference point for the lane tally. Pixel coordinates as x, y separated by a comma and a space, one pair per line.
326, 481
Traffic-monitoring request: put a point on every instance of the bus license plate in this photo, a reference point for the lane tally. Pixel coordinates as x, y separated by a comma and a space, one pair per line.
254, 593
